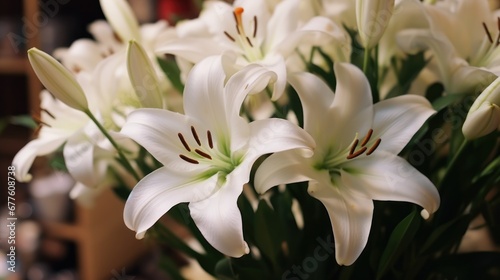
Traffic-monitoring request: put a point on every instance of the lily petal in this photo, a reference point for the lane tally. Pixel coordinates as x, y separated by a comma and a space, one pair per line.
276, 135
37, 147
397, 119
283, 168
386, 177
57, 79
222, 206
189, 48
159, 191
121, 17
351, 218
157, 131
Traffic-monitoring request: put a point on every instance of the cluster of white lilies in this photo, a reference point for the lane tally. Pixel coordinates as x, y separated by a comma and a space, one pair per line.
108, 99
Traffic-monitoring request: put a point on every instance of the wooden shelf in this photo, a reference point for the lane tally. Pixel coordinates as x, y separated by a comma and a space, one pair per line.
13, 65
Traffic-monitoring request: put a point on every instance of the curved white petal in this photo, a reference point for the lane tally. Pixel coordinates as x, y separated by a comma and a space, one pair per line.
105, 36
159, 191
276, 135
316, 99
190, 48
282, 23
397, 119
276, 64
387, 177
352, 106
82, 55
121, 17
283, 168
319, 31
218, 217
38, 147
158, 132
351, 218
79, 159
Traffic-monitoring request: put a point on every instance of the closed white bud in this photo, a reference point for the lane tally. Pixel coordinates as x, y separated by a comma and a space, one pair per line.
484, 115
57, 79
372, 17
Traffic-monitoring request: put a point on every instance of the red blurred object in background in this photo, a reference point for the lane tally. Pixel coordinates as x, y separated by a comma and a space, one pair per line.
174, 10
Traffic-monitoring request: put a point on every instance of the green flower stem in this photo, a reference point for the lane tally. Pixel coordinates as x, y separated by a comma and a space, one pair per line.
454, 161
124, 160
366, 59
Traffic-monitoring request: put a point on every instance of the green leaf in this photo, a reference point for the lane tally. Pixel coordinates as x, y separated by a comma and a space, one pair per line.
446, 235
400, 238
268, 232
24, 120
224, 270
172, 72
444, 101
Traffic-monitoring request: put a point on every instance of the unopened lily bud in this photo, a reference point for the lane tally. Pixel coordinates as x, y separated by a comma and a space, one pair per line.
372, 17
143, 76
57, 79
120, 16
484, 115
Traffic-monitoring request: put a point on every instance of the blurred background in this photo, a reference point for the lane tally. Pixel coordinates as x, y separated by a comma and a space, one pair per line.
56, 238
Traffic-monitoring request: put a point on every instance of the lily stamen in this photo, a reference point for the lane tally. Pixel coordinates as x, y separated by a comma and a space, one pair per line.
48, 113
353, 147
183, 141
39, 121
367, 137
356, 154
352, 151
229, 36
190, 160
195, 135
210, 142
254, 26
374, 147
488, 33
203, 154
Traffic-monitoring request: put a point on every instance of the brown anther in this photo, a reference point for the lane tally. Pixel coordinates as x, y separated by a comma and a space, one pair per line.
183, 141
195, 135
229, 36
255, 26
48, 113
374, 147
367, 137
353, 147
210, 142
203, 154
249, 42
487, 33
37, 119
356, 154
190, 160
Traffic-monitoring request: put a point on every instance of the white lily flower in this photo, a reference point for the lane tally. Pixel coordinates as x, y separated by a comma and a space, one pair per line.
484, 114
372, 17
207, 153
57, 79
58, 123
250, 30
355, 160
467, 59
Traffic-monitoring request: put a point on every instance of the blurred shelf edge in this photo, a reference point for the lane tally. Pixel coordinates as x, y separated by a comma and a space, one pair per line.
13, 65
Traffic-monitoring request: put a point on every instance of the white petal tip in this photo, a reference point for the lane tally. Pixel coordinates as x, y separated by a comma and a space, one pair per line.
425, 214
247, 249
26, 179
140, 235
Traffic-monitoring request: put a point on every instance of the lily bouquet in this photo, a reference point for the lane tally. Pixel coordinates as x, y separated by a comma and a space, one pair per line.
294, 139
